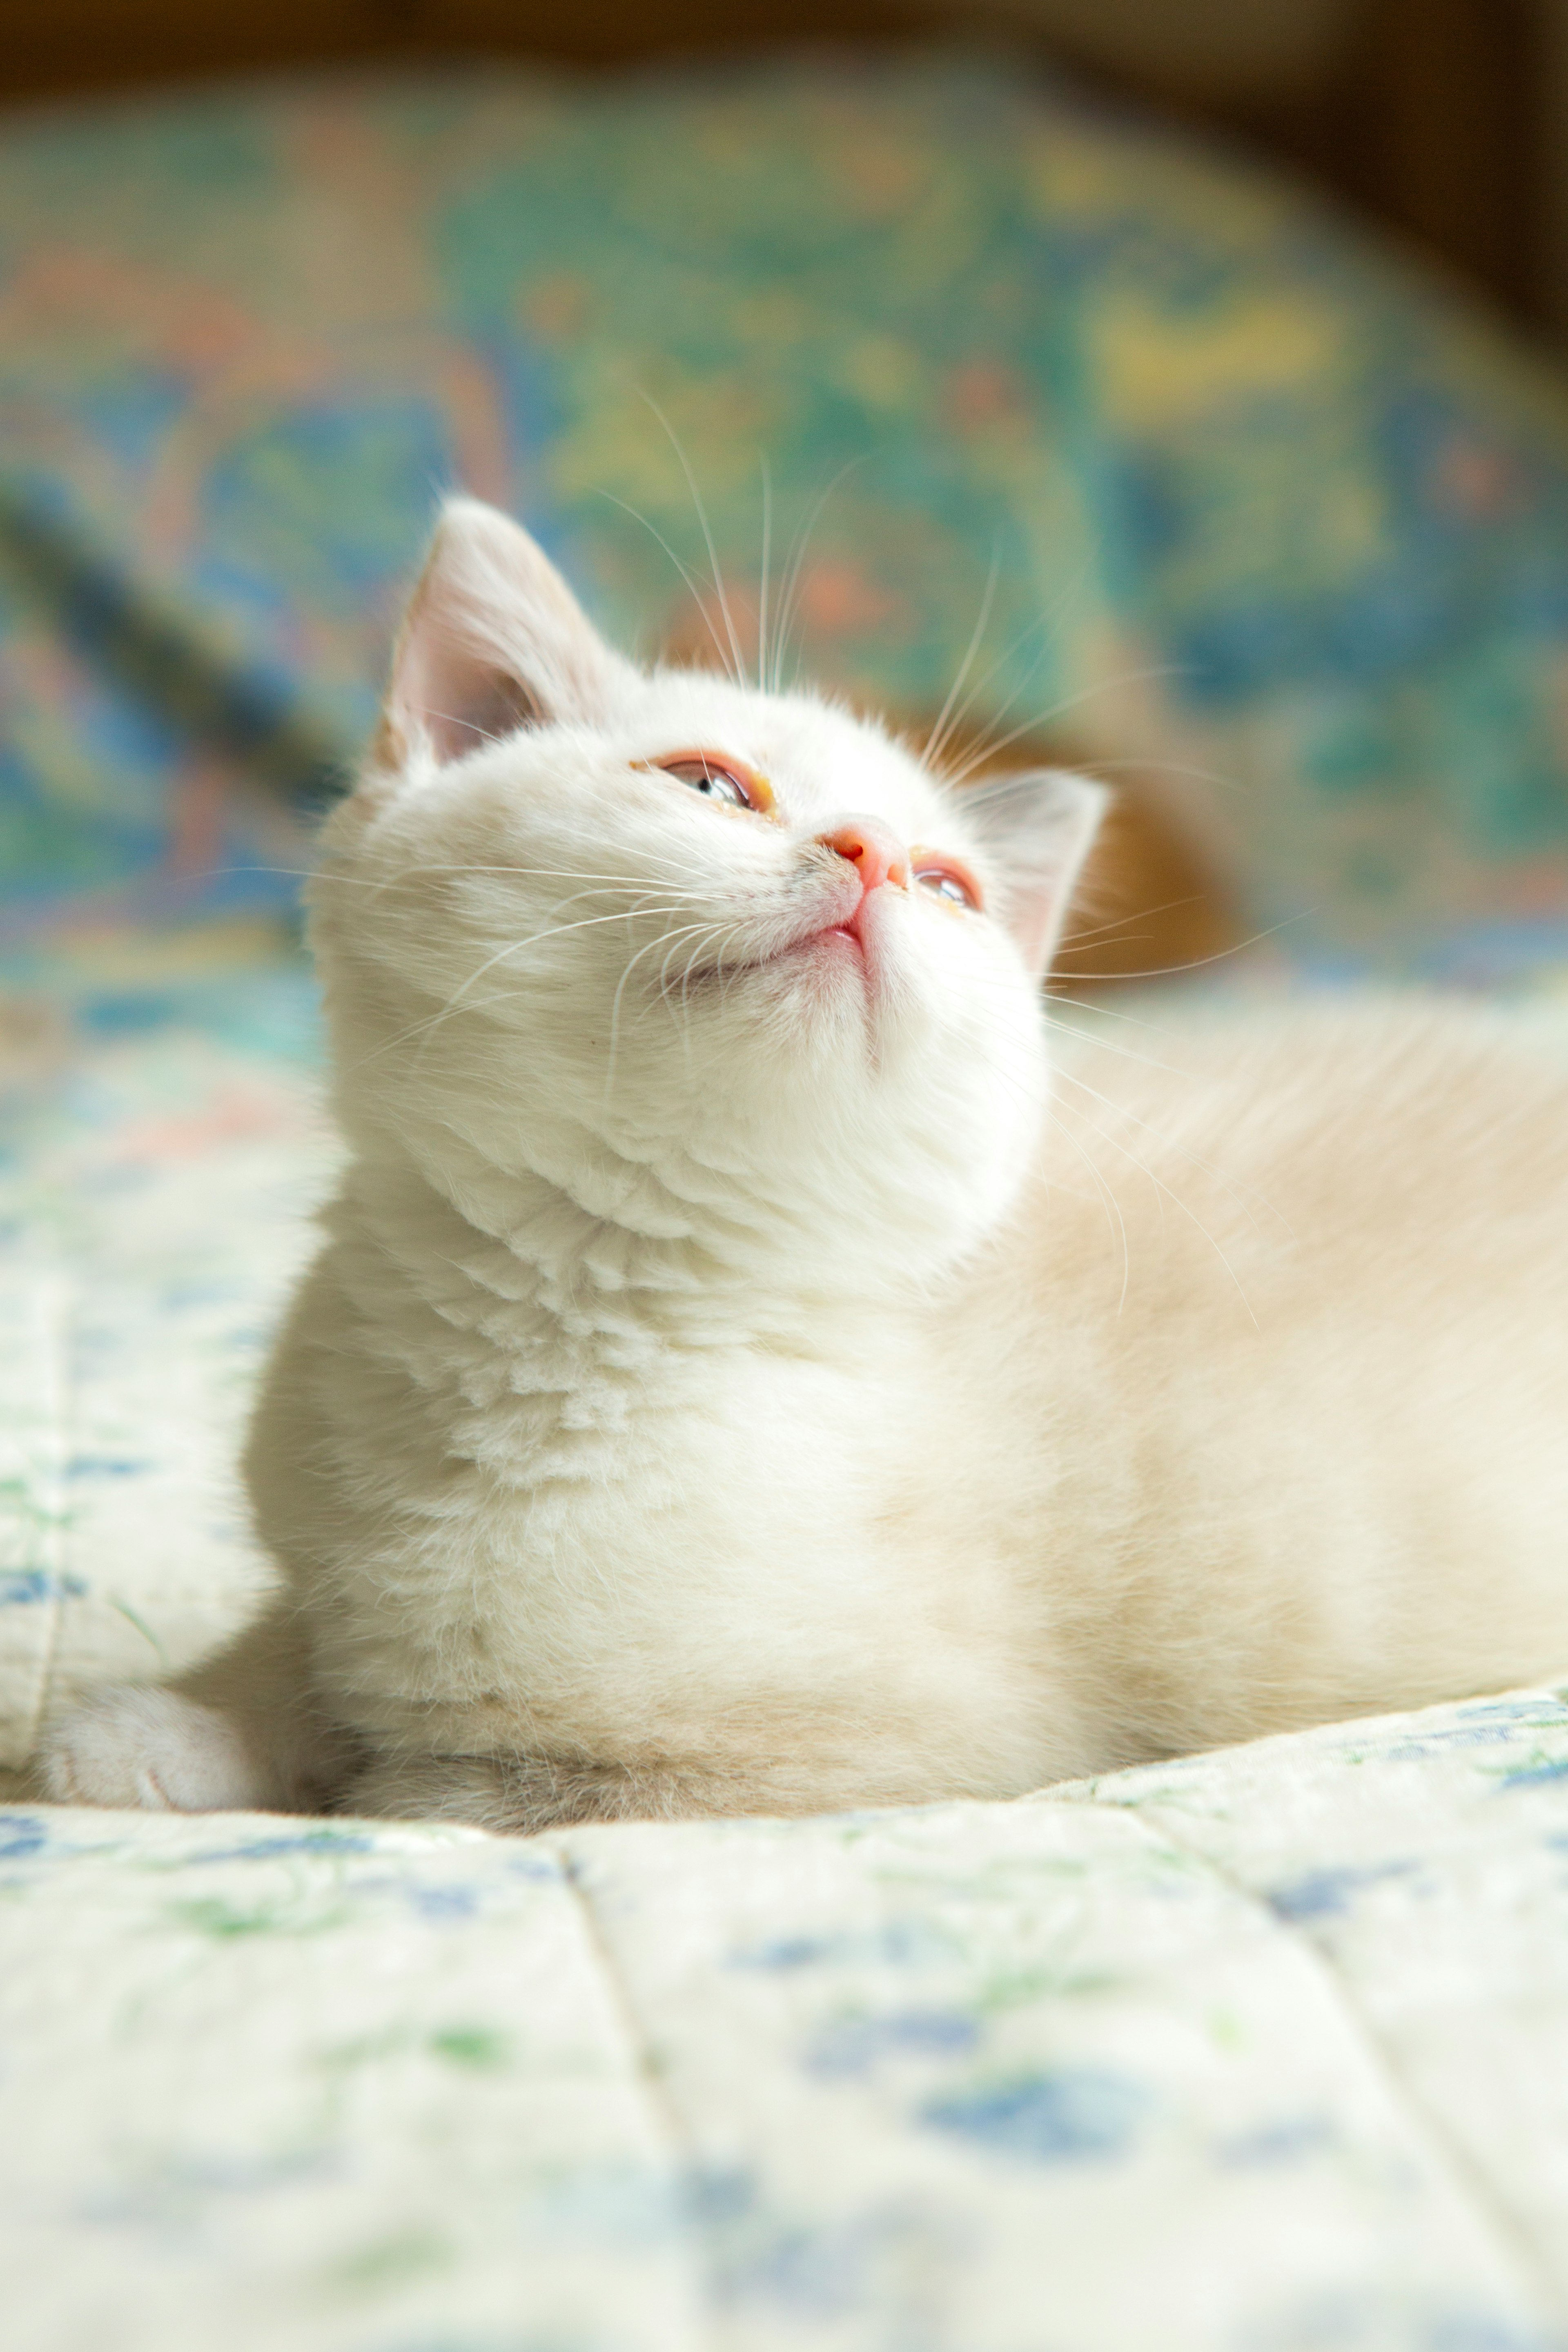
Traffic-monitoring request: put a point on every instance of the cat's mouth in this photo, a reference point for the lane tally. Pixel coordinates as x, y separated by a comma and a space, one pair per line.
823, 940
835, 941
850, 931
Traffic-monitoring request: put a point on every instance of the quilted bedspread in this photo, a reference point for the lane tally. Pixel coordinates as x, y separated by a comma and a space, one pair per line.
1266, 2050
1262, 2050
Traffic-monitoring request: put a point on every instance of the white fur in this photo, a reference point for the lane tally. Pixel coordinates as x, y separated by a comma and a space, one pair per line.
735, 1384
154, 1750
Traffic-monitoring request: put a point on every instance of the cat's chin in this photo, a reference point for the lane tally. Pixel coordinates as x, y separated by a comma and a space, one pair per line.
832, 971
821, 958
838, 948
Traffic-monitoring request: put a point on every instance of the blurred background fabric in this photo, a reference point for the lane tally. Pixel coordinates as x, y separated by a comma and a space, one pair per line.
1256, 516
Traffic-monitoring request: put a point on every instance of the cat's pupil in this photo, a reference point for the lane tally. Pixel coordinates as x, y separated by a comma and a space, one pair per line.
715, 783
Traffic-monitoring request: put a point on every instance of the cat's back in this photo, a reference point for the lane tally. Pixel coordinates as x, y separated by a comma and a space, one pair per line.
1397, 1136
1268, 1385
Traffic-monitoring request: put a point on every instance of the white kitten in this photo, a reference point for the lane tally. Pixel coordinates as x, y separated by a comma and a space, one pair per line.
731, 1383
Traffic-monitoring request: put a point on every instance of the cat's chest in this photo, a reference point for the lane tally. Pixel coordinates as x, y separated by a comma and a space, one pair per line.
645, 1542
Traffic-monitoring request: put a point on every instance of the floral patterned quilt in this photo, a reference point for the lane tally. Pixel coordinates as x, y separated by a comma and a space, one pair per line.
1257, 2052
1266, 2052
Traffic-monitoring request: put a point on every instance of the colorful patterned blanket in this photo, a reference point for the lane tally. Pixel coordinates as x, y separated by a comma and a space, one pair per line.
1219, 490
1262, 2052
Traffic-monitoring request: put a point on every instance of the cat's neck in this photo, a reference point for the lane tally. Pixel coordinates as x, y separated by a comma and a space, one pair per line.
610, 1266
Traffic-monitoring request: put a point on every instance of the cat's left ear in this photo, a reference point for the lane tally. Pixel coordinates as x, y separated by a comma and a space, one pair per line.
1038, 827
493, 640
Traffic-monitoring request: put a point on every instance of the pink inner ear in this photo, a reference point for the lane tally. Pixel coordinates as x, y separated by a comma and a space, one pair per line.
1039, 827
494, 640
1036, 909
459, 697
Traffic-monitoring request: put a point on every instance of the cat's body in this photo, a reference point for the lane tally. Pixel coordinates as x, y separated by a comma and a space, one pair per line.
739, 1392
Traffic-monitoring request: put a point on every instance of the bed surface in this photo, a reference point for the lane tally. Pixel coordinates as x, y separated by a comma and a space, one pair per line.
1265, 2050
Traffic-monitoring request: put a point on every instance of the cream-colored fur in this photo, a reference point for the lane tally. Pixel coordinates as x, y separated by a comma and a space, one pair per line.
738, 1378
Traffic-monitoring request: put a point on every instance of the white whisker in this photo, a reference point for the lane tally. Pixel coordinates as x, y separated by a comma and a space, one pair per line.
762, 583
512, 946
1071, 940
794, 566
1195, 964
991, 750
697, 598
1174, 1197
739, 671
934, 740
1171, 1144
620, 992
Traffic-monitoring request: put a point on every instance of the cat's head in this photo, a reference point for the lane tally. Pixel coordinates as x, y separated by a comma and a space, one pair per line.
723, 965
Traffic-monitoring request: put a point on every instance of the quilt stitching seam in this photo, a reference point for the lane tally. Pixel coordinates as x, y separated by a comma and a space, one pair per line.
658, 2103
1513, 2244
58, 1322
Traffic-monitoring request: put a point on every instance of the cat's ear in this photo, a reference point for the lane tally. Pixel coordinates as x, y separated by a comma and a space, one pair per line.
1038, 827
493, 640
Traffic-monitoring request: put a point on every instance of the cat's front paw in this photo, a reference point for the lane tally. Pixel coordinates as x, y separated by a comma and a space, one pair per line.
153, 1750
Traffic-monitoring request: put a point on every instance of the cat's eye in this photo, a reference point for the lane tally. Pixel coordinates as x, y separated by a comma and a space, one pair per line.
946, 879
719, 777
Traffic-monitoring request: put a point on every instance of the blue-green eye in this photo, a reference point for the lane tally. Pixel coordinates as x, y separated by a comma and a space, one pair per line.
720, 776
944, 878
714, 783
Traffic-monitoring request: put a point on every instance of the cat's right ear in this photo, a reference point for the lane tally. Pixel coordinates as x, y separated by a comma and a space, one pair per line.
1039, 827
493, 640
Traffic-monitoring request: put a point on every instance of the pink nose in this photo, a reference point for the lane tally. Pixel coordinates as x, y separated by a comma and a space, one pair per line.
877, 855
